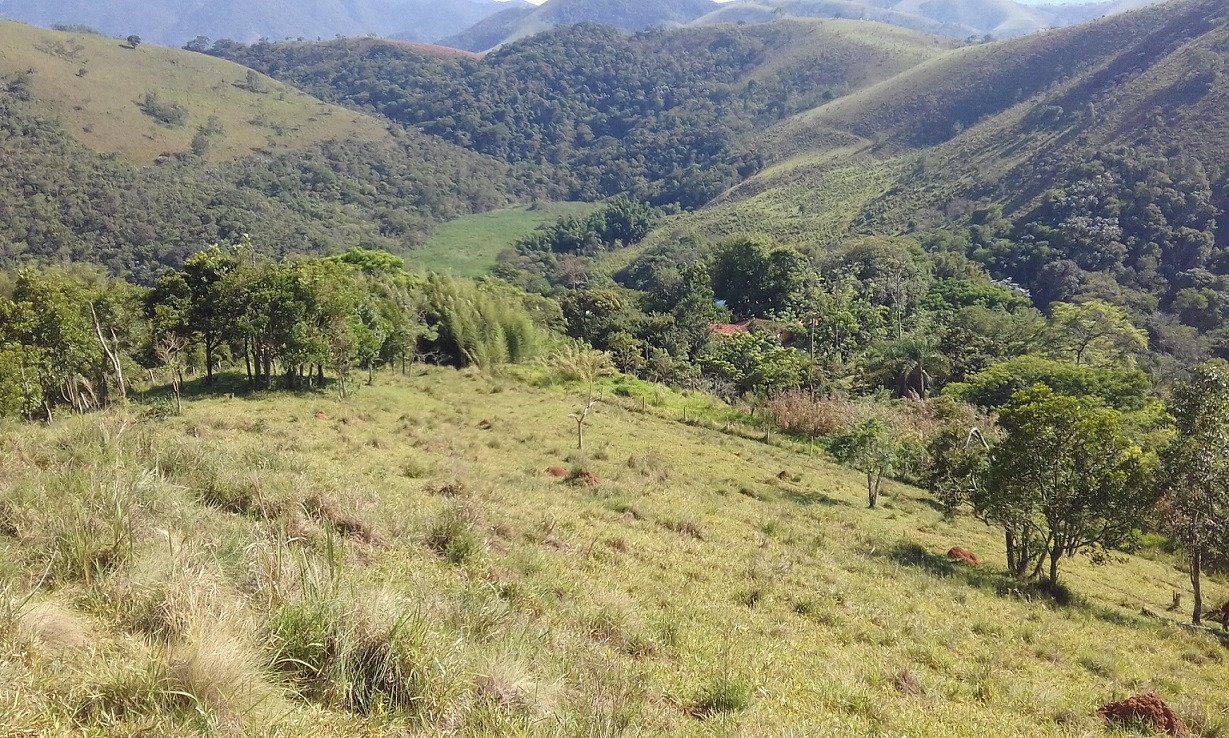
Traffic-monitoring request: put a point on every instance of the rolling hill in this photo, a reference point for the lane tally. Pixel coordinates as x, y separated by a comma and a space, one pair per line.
627, 15
953, 18
133, 158
660, 115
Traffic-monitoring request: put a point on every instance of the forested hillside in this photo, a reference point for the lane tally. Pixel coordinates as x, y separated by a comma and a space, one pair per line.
134, 158
661, 116
1082, 163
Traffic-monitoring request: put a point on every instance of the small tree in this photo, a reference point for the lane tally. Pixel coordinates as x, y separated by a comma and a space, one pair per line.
133, 41
1194, 473
957, 460
169, 352
872, 448
1064, 479
580, 363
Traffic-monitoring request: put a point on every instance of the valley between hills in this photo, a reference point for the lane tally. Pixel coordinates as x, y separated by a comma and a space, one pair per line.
745, 370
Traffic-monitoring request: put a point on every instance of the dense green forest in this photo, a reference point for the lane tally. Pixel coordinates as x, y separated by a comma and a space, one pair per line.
659, 116
62, 202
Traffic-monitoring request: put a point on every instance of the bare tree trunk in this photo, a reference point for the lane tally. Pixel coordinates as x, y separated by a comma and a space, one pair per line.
1196, 569
119, 371
1056, 553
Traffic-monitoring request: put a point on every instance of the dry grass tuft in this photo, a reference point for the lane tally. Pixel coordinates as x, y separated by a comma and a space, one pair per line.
220, 672
54, 626
329, 512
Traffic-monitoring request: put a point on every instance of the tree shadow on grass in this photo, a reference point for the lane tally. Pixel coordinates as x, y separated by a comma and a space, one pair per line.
230, 384
811, 498
1001, 584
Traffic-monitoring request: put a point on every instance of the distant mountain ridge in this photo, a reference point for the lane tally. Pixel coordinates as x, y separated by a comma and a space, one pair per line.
952, 18
481, 25
175, 22
628, 15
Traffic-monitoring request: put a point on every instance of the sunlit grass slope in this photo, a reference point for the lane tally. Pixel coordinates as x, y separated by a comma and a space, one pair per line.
467, 247
94, 84
401, 563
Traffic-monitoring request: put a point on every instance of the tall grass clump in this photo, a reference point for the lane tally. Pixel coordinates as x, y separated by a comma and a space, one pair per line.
376, 660
452, 535
479, 325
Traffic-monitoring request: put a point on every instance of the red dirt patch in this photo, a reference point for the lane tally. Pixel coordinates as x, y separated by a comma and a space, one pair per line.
1146, 710
962, 556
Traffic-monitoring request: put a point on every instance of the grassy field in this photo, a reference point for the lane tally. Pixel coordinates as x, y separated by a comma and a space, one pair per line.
401, 563
94, 84
467, 247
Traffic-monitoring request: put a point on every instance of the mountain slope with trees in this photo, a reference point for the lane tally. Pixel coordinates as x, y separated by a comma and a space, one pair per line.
660, 115
1082, 163
135, 157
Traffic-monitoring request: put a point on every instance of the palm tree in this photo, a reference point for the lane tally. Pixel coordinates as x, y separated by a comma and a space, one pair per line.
911, 362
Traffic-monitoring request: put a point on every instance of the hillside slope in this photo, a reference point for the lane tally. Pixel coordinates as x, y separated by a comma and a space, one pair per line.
627, 15
402, 562
133, 158
661, 115
1003, 122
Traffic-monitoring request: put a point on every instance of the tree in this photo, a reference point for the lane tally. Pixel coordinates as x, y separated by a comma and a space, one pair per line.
1064, 479
133, 41
579, 363
872, 448
755, 361
1096, 332
169, 352
911, 362
1194, 471
213, 302
755, 278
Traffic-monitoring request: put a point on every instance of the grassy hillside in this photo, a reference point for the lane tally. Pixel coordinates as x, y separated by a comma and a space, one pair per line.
94, 85
628, 15
467, 247
402, 562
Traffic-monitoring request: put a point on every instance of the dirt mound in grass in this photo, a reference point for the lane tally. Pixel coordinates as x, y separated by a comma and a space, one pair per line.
1145, 710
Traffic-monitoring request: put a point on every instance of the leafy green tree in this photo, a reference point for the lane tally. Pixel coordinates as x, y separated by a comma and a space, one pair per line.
1124, 389
1095, 332
757, 279
873, 448
755, 361
1194, 471
212, 298
1064, 479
